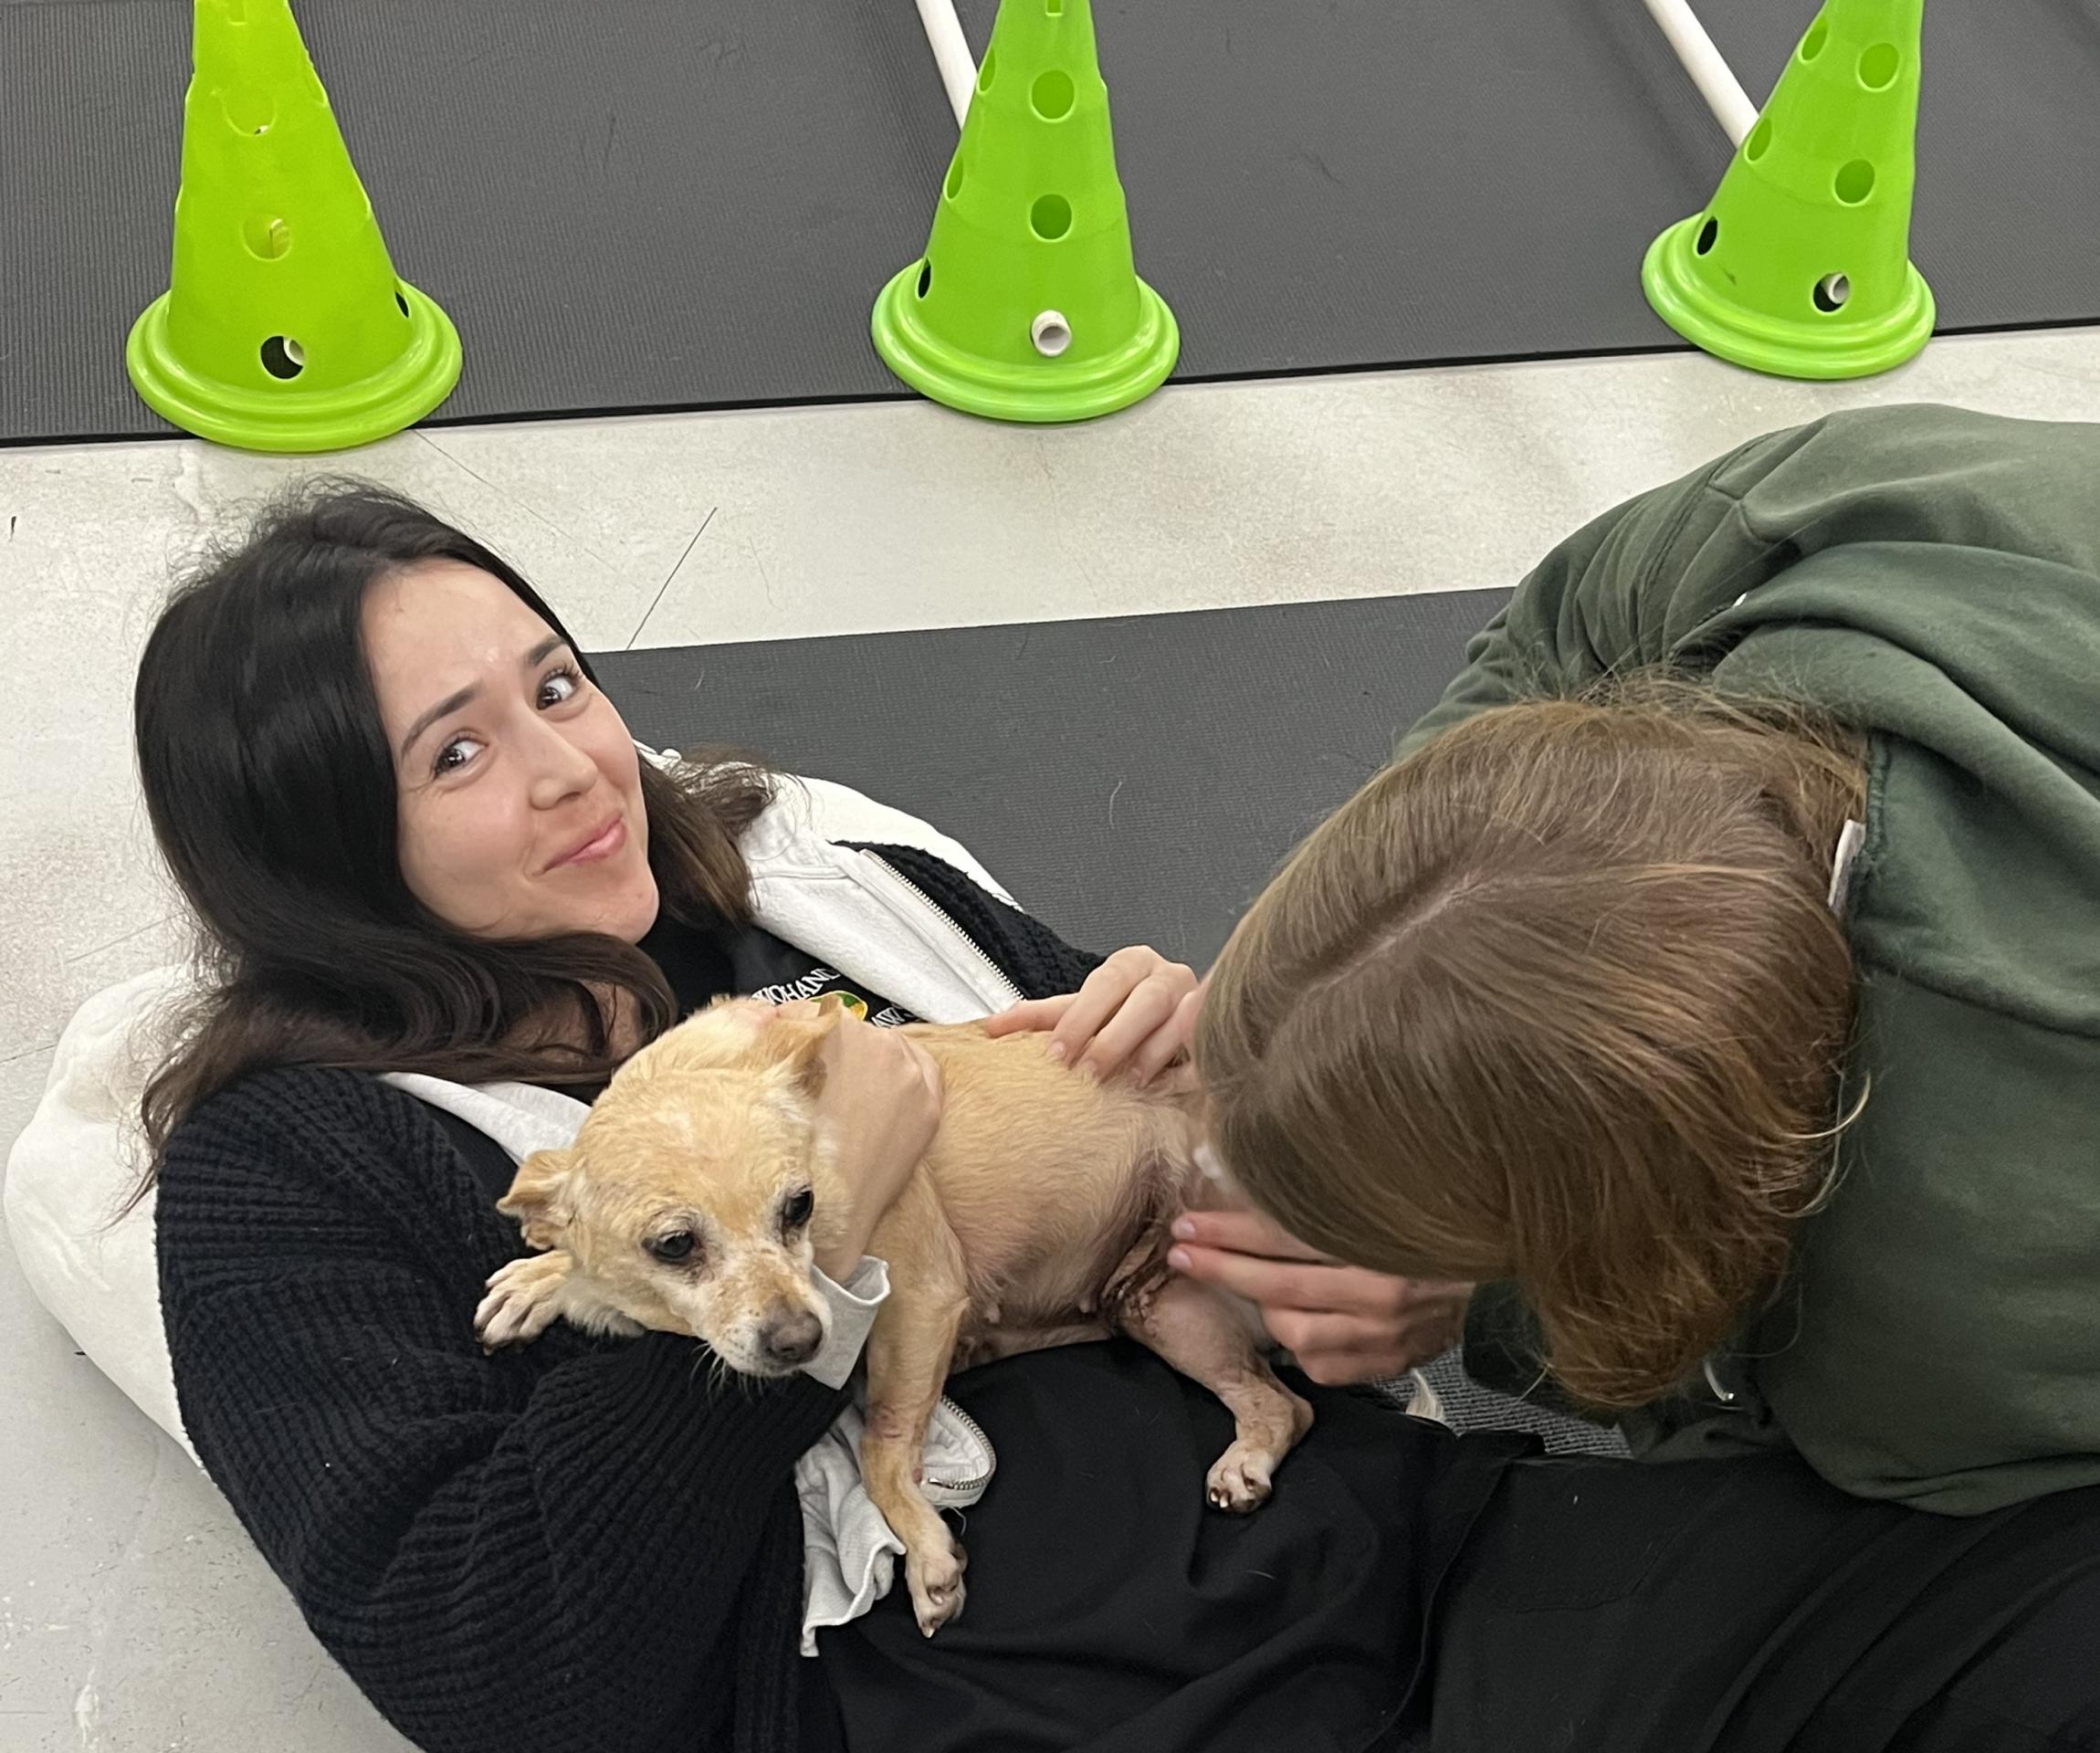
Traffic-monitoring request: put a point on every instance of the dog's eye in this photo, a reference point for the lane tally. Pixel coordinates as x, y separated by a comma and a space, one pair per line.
795, 1213
676, 1246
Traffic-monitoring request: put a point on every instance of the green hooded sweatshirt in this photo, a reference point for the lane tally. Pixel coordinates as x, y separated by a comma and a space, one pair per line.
1931, 578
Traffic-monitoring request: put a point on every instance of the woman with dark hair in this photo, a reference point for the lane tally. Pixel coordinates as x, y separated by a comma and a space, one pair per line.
427, 857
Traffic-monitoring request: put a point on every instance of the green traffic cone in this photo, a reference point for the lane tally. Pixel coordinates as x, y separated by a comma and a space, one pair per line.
1026, 305
1801, 265
283, 326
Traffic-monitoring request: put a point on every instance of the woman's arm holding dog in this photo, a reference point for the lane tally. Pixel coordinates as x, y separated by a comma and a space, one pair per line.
499, 1551
880, 1100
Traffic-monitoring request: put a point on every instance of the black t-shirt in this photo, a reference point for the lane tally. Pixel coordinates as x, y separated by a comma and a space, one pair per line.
747, 961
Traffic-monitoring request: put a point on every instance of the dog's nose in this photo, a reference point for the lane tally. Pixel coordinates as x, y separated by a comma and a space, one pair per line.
791, 1337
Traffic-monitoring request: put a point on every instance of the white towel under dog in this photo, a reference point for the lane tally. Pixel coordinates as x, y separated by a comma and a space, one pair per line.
849, 1552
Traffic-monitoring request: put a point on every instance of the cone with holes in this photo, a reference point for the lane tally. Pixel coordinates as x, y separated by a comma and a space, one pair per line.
1026, 305
1801, 265
283, 326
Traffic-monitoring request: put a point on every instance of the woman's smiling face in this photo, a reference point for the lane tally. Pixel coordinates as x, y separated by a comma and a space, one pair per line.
519, 789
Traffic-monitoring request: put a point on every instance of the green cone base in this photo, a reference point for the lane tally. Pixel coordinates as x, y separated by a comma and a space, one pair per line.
1816, 346
1043, 390
282, 416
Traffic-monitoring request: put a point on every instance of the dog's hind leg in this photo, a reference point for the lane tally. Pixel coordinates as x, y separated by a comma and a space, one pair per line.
1206, 1341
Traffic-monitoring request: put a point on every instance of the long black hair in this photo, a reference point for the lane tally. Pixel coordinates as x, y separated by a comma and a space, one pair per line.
272, 795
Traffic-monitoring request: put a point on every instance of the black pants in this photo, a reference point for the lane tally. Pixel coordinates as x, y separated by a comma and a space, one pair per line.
1744, 1606
1412, 1590
1112, 1610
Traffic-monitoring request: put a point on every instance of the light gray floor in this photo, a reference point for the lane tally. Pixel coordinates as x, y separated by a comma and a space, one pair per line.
132, 1614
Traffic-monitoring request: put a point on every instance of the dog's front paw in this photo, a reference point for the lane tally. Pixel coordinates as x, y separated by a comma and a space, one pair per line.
1239, 1481
524, 1299
935, 1578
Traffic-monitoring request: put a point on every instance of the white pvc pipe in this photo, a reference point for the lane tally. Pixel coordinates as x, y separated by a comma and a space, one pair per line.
951, 53
1723, 91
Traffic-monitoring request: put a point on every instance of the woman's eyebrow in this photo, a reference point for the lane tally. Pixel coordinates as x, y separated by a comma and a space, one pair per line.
451, 703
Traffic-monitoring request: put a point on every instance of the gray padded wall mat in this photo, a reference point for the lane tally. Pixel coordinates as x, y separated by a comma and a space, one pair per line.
1133, 780
661, 204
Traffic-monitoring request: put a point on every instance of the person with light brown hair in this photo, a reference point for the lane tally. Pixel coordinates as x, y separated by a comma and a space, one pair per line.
1559, 1002
1713, 980
1587, 997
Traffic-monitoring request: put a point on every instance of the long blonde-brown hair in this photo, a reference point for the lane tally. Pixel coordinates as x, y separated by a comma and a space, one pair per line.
1558, 999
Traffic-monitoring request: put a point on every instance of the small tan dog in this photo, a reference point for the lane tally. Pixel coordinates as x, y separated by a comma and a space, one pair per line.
700, 1190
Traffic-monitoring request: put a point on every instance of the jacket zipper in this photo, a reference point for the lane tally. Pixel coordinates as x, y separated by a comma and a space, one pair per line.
942, 914
973, 1428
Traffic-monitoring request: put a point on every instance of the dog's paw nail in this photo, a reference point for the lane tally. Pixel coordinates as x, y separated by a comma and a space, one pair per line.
1239, 1484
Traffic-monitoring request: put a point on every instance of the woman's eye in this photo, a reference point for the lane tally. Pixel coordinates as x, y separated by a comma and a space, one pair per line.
454, 755
795, 1213
563, 685
676, 1246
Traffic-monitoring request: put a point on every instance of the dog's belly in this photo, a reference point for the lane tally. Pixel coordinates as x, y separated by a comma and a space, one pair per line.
1066, 1296
1058, 1192
982, 1344
993, 1329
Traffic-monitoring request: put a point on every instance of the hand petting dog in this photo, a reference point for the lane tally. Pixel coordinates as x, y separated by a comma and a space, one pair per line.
1136, 1013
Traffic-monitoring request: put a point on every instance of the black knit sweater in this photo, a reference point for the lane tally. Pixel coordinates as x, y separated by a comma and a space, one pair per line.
576, 1544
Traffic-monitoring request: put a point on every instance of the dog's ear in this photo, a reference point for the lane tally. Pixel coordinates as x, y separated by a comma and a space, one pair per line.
797, 1036
539, 1198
